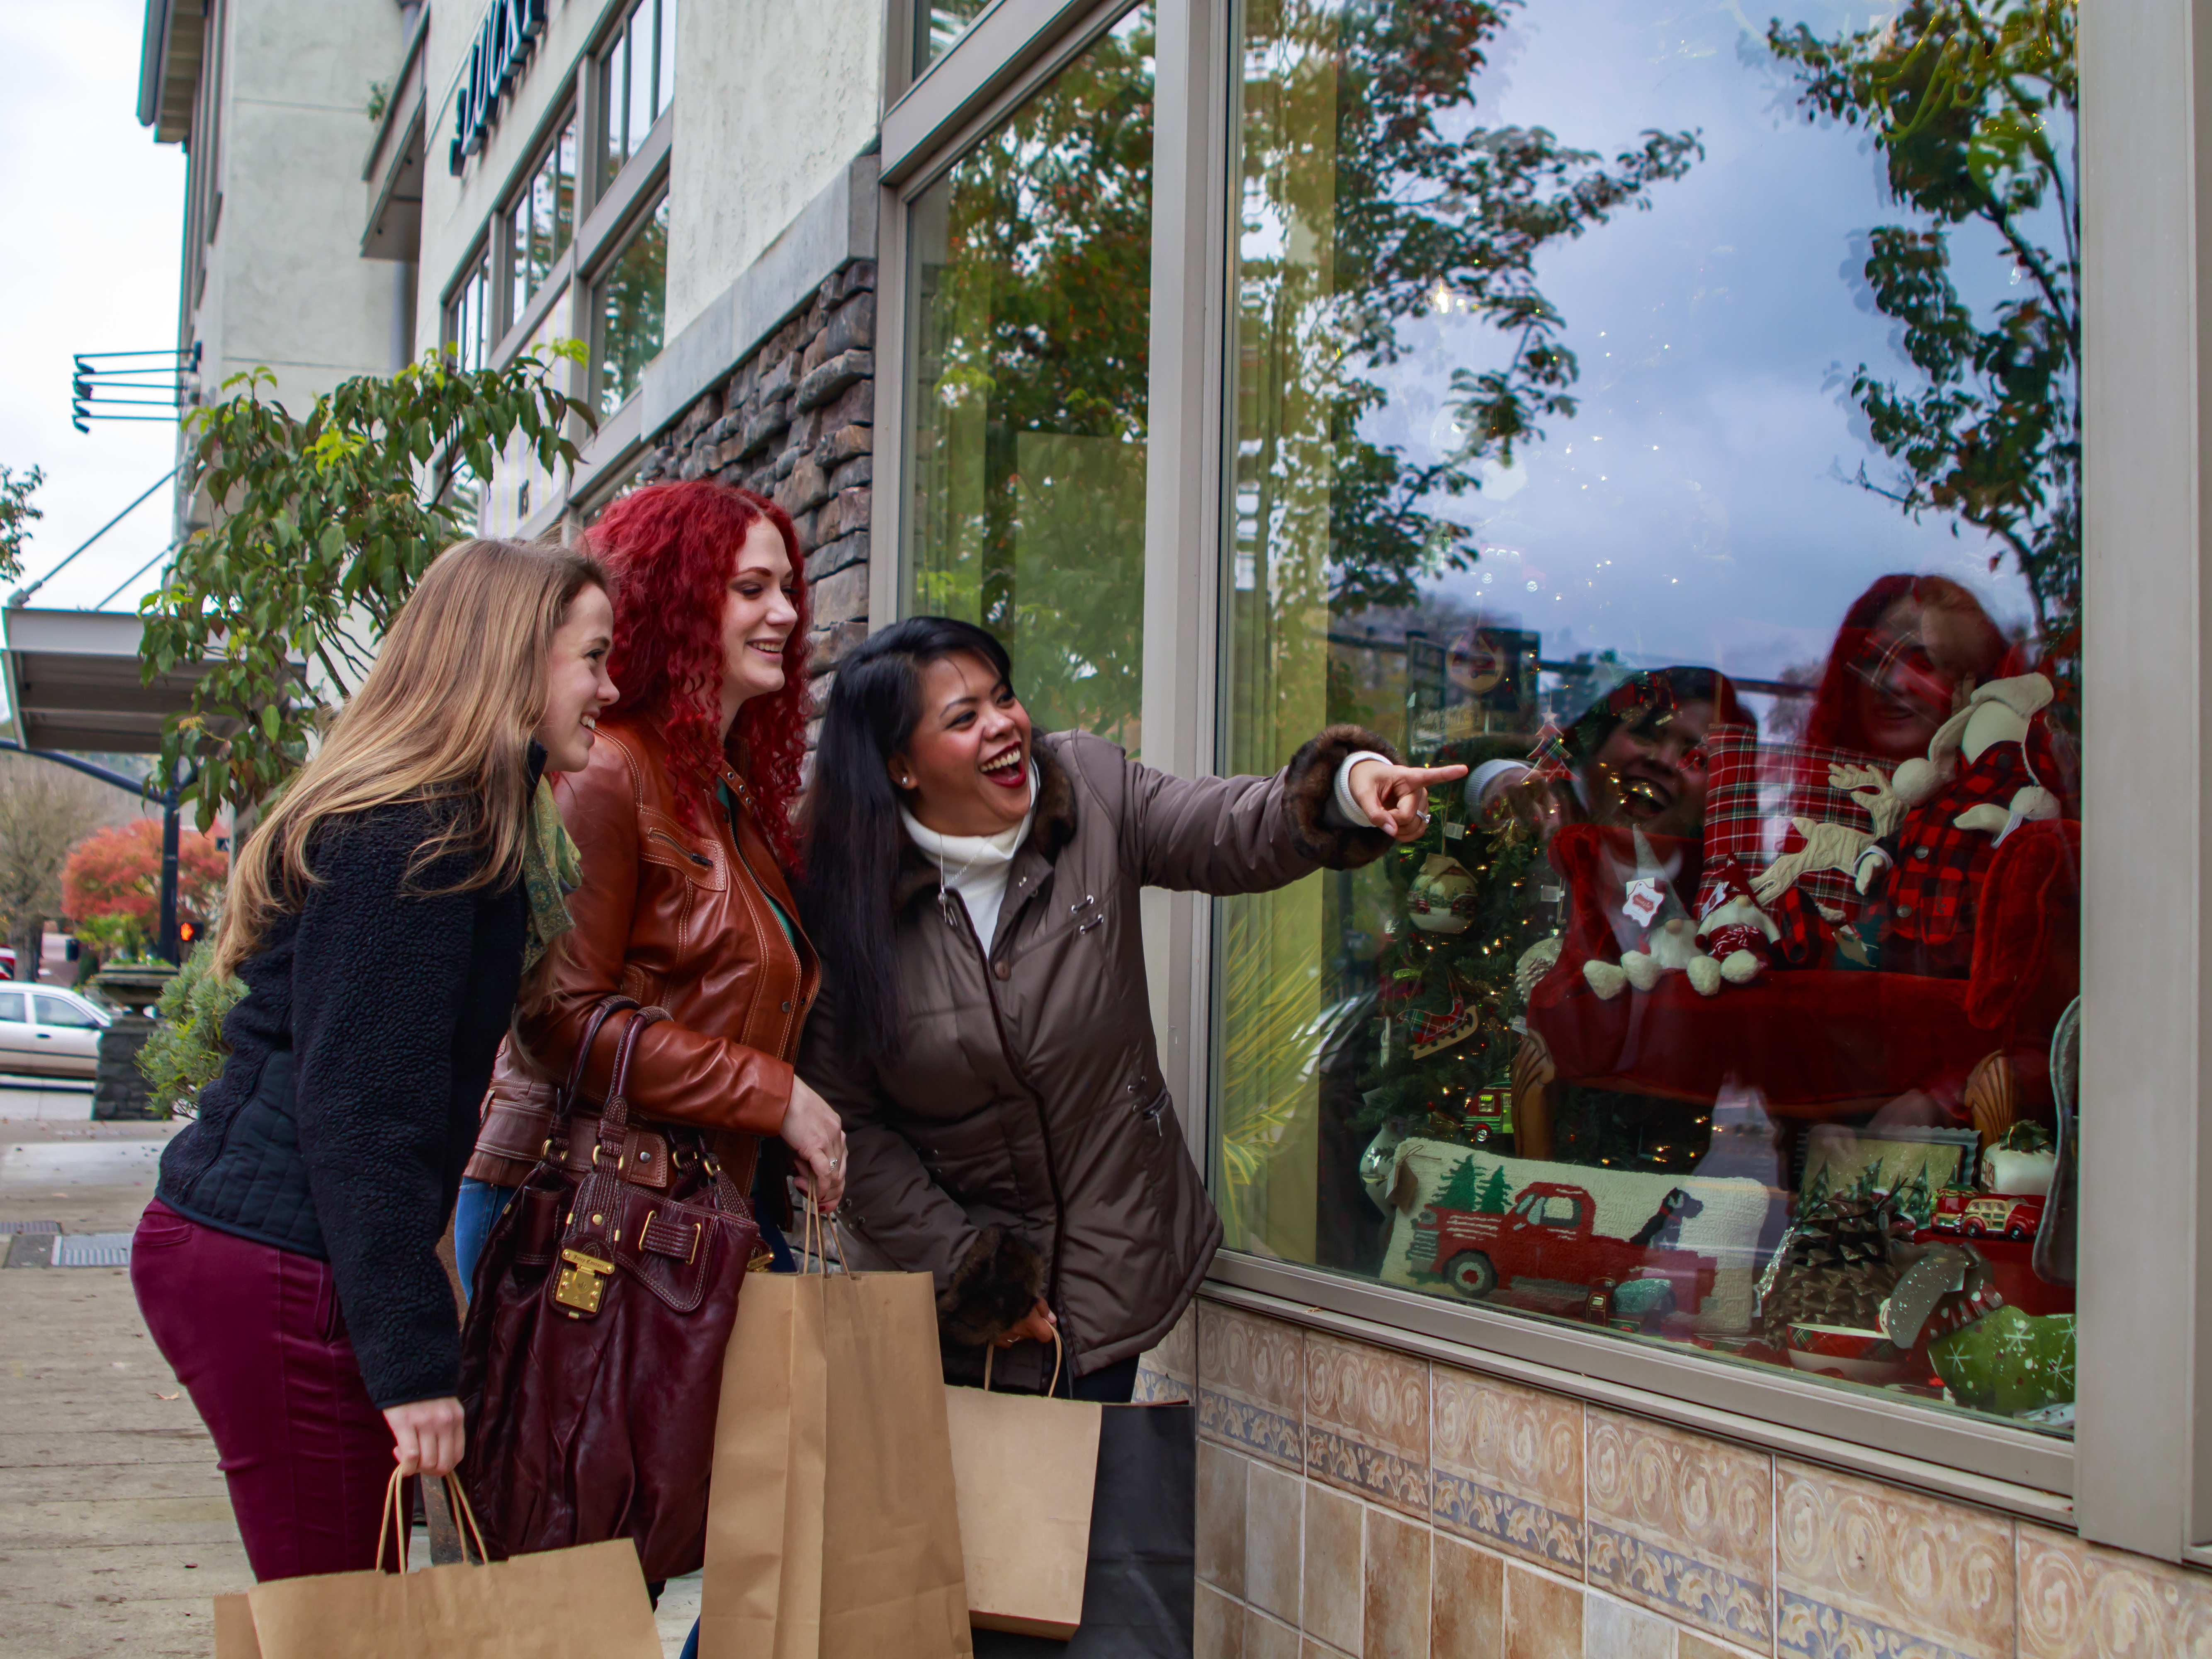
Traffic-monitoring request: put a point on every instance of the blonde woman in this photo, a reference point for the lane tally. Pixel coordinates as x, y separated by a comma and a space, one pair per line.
382, 916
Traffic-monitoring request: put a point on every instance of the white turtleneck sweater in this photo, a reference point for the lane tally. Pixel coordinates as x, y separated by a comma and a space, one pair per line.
976, 866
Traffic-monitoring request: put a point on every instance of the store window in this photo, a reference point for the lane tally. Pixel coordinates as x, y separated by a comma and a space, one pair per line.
1676, 423
630, 304
937, 24
469, 327
637, 82
541, 219
1031, 269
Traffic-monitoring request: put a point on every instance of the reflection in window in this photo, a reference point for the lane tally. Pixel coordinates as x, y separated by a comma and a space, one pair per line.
1032, 269
543, 218
468, 326
937, 24
1750, 592
637, 80
631, 300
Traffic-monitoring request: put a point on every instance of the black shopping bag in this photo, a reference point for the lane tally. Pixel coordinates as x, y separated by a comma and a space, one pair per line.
1137, 1585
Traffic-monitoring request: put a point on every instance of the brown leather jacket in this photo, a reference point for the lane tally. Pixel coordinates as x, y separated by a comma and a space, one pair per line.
1024, 1143
676, 916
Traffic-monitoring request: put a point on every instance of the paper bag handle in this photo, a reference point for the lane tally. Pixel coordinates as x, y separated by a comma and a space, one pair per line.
816, 1231
1059, 1352
393, 1522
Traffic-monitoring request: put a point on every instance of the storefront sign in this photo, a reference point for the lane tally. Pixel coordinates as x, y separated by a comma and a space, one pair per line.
503, 46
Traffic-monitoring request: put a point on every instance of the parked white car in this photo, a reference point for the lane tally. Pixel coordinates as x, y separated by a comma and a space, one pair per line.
46, 1031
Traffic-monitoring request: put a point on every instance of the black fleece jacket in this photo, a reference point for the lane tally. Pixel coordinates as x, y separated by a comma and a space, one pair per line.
340, 1125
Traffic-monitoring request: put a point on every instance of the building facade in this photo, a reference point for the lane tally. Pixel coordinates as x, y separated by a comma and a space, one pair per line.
1735, 1185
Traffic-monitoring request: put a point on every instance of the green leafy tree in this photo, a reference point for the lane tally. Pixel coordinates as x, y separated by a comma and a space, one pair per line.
1971, 104
322, 526
16, 513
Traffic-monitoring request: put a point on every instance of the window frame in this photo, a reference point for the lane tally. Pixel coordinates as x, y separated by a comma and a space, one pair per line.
606, 42
2145, 1315
649, 200
564, 118
481, 264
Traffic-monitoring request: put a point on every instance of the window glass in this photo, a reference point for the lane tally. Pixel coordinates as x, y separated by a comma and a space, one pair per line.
11, 1008
1031, 273
1675, 422
631, 298
543, 218
937, 24
469, 328
58, 1011
637, 80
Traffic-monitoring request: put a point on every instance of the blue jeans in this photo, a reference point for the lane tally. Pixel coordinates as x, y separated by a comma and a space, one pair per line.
479, 1206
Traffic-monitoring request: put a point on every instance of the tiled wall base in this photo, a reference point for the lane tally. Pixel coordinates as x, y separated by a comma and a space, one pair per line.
1355, 1504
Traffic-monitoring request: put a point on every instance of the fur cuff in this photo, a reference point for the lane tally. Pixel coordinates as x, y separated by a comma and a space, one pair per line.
1310, 794
992, 1289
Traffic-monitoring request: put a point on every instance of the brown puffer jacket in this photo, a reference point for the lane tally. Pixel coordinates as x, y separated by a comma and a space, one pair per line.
672, 914
1023, 1143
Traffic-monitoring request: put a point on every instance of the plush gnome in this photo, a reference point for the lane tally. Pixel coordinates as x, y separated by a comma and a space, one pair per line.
1739, 934
1990, 768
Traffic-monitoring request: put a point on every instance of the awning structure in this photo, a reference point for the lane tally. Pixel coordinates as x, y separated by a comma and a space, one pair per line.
73, 682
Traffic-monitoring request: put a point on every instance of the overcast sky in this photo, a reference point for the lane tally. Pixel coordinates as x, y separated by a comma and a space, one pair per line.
1698, 509
93, 207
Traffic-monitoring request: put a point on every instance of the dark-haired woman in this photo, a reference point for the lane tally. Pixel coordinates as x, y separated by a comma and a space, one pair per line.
985, 1033
683, 822
381, 916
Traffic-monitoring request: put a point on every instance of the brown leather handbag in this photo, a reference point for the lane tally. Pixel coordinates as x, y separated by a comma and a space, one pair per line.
592, 1358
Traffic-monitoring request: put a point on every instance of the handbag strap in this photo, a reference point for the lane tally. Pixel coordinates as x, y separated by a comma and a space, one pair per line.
564, 1104
614, 1113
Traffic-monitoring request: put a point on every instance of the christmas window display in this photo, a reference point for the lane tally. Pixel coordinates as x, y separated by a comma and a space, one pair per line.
1727, 1002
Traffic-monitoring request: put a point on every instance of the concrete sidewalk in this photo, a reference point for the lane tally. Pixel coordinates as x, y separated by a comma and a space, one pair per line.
115, 1529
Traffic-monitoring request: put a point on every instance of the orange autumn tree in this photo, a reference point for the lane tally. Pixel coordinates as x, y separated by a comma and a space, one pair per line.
117, 873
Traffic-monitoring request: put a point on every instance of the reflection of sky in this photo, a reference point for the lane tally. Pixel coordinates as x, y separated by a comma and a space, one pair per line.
1697, 507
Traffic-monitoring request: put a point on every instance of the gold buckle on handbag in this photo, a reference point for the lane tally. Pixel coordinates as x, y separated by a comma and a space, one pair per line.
580, 1284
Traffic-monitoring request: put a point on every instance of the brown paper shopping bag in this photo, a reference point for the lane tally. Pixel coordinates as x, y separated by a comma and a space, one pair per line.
1023, 1466
832, 1528
584, 1603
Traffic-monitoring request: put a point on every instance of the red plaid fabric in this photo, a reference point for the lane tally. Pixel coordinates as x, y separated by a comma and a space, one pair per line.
1754, 789
1940, 866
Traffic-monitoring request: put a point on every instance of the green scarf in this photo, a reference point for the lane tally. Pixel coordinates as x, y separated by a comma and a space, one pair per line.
551, 870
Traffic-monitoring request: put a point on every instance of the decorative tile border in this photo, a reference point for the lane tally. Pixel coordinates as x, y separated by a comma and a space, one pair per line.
1371, 1470
1698, 1592
1251, 1428
1518, 1525
2082, 1601
1812, 1629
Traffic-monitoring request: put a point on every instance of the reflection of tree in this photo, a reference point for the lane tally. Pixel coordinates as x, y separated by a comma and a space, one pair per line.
633, 300
1032, 405
1371, 199
1972, 107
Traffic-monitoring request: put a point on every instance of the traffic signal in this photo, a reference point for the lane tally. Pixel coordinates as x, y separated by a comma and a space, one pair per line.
187, 933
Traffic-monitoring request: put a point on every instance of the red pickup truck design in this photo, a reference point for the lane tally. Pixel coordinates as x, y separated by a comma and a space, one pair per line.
1548, 1235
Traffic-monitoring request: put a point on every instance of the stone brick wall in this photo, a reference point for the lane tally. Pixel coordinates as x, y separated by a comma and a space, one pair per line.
795, 421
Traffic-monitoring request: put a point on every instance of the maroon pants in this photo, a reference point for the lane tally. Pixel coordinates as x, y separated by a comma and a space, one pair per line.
253, 1332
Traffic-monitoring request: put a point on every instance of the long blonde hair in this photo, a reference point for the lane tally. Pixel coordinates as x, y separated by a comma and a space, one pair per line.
446, 712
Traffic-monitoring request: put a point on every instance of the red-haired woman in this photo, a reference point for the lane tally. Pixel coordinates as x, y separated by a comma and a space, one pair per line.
1909, 646
683, 821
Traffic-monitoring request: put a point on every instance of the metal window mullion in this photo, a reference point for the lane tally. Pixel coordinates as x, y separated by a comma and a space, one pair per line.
2142, 1322
1183, 494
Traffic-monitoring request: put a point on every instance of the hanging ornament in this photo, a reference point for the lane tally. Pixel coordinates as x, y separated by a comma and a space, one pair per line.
1442, 899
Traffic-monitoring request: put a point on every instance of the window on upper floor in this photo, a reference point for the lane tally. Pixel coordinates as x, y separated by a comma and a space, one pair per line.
628, 303
542, 218
937, 24
469, 327
637, 81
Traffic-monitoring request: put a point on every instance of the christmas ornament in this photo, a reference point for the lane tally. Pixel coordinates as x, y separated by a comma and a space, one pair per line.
1442, 899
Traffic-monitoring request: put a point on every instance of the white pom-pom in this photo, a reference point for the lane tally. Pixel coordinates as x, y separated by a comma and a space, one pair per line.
1605, 979
1915, 781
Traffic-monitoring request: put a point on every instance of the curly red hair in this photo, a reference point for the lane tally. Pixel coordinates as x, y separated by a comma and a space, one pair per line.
670, 549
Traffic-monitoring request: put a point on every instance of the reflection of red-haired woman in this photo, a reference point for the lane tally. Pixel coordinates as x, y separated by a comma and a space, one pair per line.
683, 821
1906, 647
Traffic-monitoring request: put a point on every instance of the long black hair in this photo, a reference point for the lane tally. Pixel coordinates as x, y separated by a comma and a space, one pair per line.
853, 836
